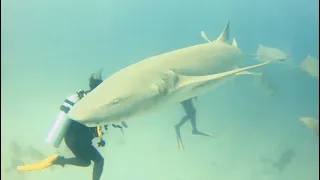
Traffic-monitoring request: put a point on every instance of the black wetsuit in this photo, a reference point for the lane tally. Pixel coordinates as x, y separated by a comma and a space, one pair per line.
190, 110
78, 139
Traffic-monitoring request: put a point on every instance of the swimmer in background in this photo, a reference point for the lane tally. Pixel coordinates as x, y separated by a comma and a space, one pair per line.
190, 110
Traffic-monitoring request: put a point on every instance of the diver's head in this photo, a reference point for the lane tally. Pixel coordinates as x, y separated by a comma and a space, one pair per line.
95, 79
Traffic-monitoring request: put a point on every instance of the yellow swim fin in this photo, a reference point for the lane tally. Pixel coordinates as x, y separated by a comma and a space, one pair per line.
39, 165
180, 144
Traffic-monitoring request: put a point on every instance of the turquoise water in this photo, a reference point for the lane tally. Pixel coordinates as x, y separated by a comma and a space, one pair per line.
50, 48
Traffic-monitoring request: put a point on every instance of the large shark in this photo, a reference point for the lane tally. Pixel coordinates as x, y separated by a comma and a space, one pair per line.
166, 78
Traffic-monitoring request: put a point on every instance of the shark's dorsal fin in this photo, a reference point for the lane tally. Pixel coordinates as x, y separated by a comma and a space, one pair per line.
234, 43
224, 36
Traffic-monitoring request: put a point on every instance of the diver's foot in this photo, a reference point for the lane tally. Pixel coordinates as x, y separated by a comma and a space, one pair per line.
196, 132
59, 161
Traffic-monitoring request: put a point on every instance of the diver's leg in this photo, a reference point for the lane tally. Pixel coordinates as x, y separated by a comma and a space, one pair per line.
97, 170
181, 123
191, 111
74, 161
85, 152
93, 154
77, 147
177, 129
83, 158
194, 127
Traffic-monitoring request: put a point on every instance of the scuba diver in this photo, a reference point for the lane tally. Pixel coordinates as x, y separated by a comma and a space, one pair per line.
78, 137
189, 107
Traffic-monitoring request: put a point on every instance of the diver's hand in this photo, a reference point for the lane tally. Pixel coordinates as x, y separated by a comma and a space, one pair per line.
102, 143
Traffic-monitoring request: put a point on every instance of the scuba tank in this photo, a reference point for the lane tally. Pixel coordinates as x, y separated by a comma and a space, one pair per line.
63, 122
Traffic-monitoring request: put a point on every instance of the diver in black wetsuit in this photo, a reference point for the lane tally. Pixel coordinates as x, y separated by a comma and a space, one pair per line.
78, 138
190, 110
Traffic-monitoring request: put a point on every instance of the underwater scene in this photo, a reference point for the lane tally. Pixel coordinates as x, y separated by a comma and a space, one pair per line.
159, 90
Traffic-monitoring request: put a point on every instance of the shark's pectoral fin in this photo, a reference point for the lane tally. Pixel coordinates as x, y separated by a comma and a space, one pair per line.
199, 80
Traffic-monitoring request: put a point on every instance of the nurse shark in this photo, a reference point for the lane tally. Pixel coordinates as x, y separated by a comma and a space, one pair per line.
166, 78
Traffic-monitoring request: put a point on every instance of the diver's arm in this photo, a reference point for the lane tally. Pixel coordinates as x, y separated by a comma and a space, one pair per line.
98, 133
